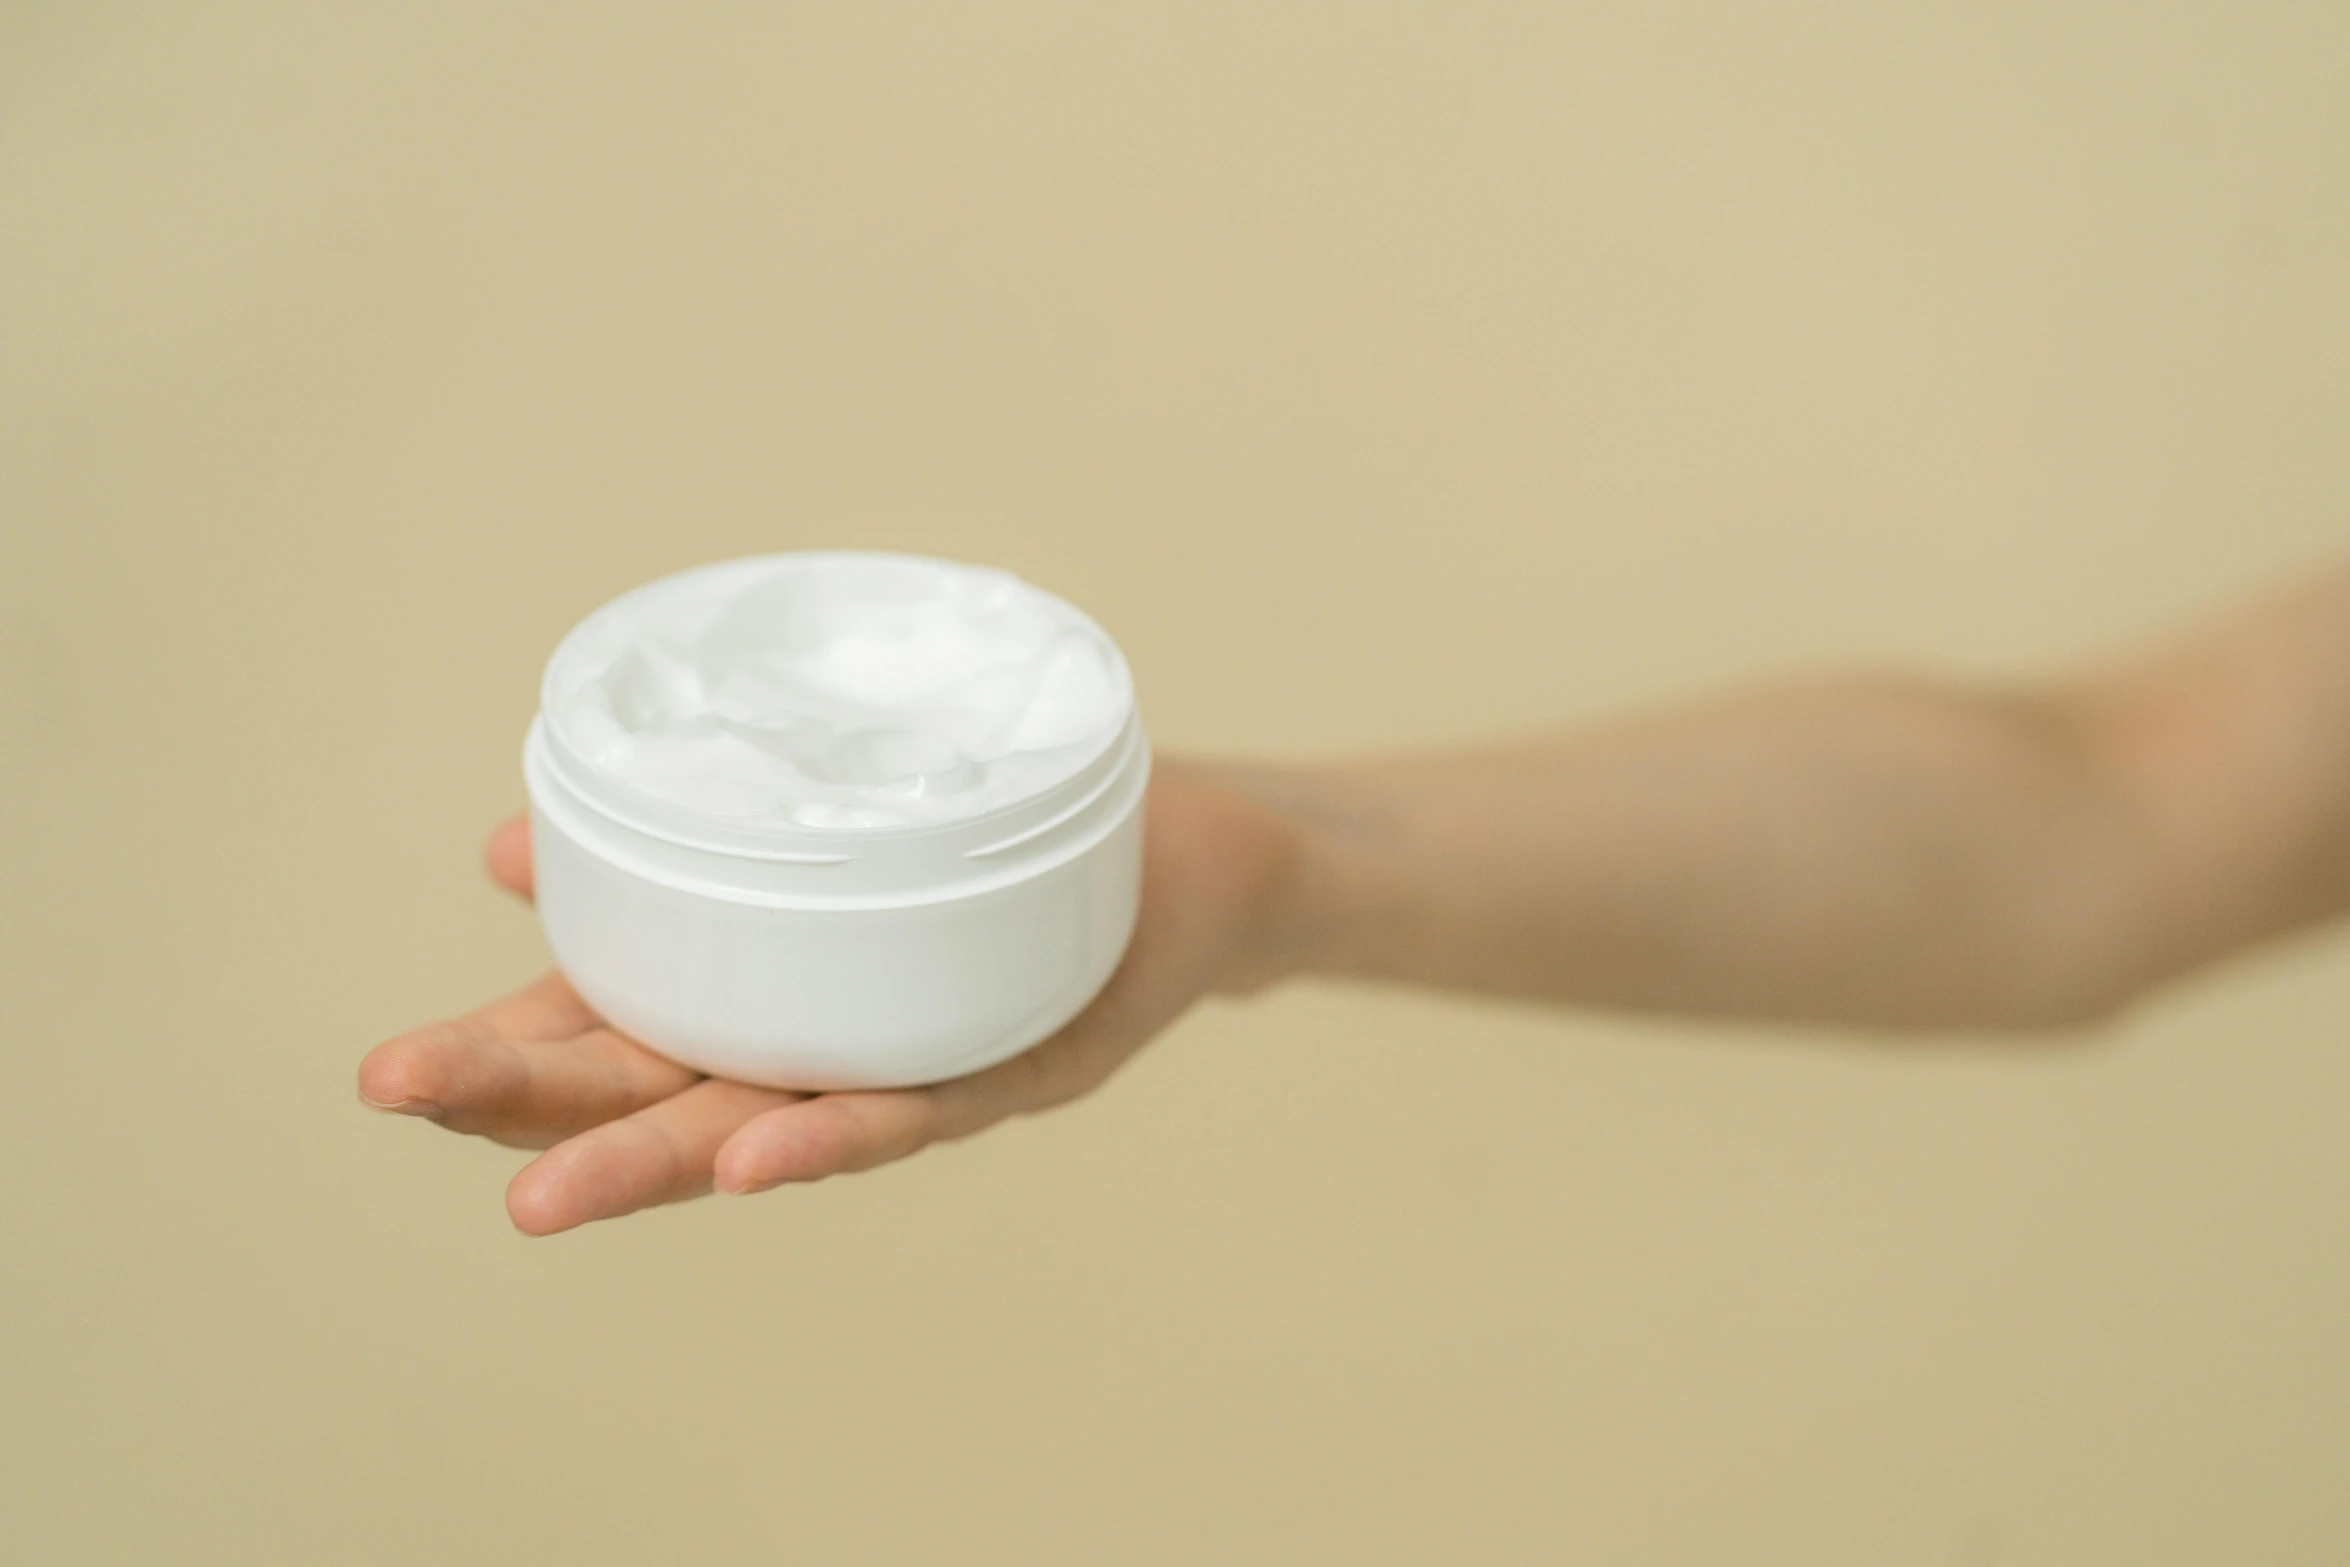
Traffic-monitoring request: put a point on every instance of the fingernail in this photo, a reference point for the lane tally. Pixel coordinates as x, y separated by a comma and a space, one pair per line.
755, 1188
424, 1108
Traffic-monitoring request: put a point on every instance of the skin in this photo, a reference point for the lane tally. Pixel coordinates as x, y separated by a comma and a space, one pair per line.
1887, 852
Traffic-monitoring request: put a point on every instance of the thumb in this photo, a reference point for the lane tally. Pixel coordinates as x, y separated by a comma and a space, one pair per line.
508, 856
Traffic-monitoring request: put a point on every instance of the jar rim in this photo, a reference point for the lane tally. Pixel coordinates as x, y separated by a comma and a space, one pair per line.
784, 840
976, 857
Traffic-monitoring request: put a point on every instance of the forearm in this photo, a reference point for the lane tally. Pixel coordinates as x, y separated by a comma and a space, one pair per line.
1863, 850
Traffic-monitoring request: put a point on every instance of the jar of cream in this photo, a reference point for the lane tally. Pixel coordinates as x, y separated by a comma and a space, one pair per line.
837, 820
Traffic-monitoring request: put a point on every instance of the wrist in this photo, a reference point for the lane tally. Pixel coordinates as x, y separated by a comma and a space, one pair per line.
1311, 887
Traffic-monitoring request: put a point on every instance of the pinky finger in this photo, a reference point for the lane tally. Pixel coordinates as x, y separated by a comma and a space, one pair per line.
833, 1134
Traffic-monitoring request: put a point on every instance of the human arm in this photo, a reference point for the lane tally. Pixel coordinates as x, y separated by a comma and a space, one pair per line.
1886, 851
1870, 850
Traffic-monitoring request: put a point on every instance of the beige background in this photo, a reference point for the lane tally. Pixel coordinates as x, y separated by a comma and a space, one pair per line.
1380, 374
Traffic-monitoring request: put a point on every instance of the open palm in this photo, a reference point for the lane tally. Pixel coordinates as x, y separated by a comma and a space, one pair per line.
625, 1128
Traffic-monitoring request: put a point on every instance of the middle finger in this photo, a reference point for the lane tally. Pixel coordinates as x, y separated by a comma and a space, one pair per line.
526, 1093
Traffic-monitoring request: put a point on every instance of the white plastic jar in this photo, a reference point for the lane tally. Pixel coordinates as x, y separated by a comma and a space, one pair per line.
908, 895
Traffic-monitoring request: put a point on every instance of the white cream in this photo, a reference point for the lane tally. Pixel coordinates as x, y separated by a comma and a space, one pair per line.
840, 690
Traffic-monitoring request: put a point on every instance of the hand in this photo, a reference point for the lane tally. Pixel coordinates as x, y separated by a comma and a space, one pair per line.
625, 1128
